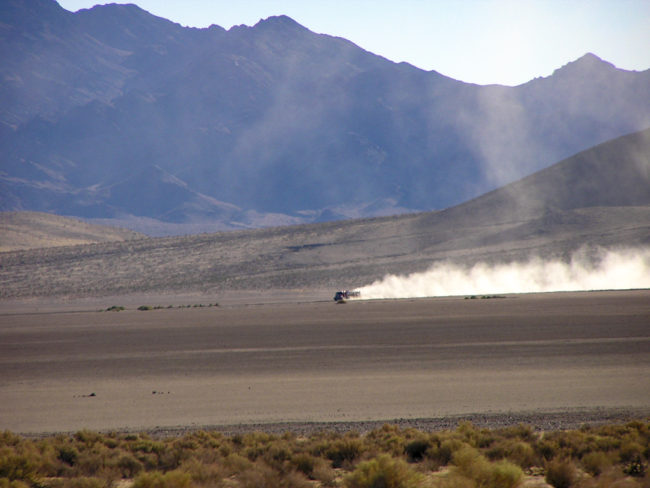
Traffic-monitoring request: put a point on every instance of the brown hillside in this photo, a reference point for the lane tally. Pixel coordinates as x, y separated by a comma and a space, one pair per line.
600, 197
29, 230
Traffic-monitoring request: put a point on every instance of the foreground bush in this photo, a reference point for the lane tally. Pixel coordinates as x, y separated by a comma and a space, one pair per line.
613, 456
561, 474
470, 464
383, 472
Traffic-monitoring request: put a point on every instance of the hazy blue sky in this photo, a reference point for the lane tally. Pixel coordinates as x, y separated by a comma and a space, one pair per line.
478, 41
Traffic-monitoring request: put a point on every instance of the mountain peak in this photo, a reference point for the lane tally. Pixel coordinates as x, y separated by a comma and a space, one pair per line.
585, 63
279, 22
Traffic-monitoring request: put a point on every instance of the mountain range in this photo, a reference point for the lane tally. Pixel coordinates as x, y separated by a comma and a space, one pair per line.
118, 116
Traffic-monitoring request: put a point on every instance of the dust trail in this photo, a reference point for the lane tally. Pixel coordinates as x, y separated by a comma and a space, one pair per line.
586, 270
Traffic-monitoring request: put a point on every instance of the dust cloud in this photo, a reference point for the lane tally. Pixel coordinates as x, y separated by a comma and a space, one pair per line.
585, 270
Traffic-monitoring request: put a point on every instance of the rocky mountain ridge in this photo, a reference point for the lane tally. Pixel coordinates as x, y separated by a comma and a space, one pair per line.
114, 114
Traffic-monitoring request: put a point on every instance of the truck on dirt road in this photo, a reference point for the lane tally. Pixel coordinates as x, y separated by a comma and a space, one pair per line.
343, 295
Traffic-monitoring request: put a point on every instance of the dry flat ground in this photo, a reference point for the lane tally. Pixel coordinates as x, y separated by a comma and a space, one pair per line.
318, 361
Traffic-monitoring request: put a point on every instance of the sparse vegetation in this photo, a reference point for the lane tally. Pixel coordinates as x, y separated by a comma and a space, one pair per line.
115, 308
605, 456
483, 297
161, 307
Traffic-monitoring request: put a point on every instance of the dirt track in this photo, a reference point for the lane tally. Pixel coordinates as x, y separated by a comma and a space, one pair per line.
321, 362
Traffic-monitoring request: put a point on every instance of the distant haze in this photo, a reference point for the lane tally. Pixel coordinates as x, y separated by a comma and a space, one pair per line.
488, 41
586, 270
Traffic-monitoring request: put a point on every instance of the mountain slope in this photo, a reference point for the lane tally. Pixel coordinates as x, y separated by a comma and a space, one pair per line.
29, 230
600, 197
271, 119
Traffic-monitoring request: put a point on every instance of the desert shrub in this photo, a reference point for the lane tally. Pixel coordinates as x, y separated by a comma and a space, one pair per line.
630, 450
520, 431
503, 474
203, 473
110, 442
595, 463
145, 307
469, 462
345, 450
172, 479
561, 473
16, 467
115, 308
519, 452
78, 482
468, 433
611, 479
416, 449
388, 439
304, 463
278, 454
148, 446
88, 437
474, 436
324, 473
635, 467
68, 454
443, 453
472, 465
9, 439
172, 458
260, 475
129, 466
236, 463
6, 483
383, 472
547, 449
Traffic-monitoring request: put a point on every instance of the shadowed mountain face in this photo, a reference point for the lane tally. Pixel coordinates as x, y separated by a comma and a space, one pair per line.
113, 113
598, 198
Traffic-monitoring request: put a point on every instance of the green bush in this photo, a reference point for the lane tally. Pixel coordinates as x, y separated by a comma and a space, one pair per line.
145, 307
383, 472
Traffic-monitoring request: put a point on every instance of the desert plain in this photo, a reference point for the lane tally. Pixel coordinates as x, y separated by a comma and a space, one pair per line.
301, 359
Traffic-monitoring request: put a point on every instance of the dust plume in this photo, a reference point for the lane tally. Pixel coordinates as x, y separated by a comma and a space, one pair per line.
585, 270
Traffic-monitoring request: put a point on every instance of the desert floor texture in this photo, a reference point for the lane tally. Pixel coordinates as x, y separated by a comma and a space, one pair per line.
65, 368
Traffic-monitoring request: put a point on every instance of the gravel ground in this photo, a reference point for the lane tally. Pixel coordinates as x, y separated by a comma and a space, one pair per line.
541, 421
